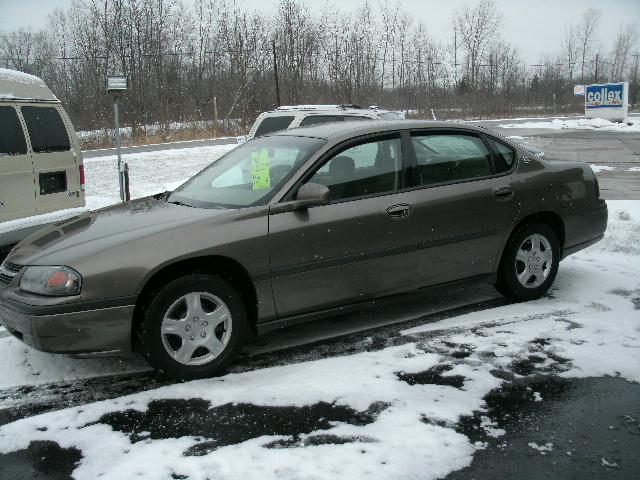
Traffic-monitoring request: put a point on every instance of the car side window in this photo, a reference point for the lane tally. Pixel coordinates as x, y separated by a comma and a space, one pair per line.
46, 129
273, 124
505, 155
447, 158
366, 169
11, 135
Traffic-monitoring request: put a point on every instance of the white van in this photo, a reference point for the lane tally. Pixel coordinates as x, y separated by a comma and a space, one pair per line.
41, 168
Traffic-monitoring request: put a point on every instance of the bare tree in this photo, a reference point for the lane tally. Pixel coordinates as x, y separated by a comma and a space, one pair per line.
587, 32
478, 27
622, 48
570, 49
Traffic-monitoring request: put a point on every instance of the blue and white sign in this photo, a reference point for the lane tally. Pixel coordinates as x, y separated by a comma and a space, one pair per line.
607, 100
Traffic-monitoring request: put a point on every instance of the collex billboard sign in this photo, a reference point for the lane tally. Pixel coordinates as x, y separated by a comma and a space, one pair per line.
607, 100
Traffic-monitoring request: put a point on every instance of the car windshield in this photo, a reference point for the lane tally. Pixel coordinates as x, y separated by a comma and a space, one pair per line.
248, 175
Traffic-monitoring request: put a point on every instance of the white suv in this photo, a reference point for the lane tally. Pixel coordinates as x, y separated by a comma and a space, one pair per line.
302, 115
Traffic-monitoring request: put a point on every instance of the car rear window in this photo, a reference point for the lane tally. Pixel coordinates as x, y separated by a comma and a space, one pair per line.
316, 119
46, 129
273, 124
11, 134
355, 117
448, 158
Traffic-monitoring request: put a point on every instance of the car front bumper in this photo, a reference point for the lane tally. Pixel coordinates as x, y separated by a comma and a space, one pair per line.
97, 331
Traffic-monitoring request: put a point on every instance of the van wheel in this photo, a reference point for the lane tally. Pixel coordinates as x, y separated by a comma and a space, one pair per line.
194, 327
529, 263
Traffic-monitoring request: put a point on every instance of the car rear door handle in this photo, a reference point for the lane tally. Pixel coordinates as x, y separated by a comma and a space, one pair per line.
503, 193
399, 211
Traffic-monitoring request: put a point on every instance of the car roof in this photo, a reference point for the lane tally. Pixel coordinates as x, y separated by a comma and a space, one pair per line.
19, 86
343, 130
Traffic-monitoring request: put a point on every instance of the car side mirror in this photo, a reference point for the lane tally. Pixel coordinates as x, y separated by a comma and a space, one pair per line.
309, 195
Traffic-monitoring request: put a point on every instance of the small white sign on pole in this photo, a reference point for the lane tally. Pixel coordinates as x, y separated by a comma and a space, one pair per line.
609, 101
578, 89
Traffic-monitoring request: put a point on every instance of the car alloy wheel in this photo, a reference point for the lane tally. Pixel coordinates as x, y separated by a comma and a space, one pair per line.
196, 328
533, 261
193, 327
529, 262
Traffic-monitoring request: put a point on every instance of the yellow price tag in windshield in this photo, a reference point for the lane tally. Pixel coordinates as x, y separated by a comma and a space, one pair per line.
260, 169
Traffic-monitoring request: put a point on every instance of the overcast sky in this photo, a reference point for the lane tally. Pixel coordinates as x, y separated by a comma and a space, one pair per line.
533, 26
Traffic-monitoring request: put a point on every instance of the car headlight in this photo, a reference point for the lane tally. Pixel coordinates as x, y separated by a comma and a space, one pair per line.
51, 281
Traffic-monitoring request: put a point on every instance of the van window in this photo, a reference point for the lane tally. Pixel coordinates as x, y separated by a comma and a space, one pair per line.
11, 134
46, 129
273, 124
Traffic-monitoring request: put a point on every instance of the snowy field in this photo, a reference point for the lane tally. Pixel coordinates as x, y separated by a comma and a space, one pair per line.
149, 172
383, 414
633, 126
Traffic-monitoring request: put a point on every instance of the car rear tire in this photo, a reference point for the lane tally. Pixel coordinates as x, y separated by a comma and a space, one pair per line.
194, 327
529, 263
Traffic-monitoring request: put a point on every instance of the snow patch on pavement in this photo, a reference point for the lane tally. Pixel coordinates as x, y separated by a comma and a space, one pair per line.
588, 325
578, 124
601, 168
543, 449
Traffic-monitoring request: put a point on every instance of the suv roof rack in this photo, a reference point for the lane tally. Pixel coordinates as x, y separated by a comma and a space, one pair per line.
320, 107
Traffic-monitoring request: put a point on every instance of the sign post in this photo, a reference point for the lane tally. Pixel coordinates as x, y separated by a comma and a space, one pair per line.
609, 101
116, 84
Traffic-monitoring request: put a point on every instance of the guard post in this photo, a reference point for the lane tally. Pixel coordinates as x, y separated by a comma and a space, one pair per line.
116, 84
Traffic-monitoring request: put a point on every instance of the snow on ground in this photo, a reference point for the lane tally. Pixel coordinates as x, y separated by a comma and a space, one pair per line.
589, 325
633, 126
149, 172
601, 168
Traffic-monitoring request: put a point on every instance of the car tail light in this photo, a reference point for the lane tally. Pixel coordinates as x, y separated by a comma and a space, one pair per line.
82, 177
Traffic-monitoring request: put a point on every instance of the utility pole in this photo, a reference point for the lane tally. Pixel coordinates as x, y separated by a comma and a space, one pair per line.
595, 80
215, 116
635, 80
275, 73
455, 55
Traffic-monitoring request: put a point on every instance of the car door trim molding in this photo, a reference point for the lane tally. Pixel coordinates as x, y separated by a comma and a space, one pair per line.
300, 318
375, 254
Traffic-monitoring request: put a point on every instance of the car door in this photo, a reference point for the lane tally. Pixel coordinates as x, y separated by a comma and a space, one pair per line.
464, 203
17, 194
358, 246
54, 161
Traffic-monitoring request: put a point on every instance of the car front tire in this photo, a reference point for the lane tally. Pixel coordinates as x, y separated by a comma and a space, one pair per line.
529, 263
194, 327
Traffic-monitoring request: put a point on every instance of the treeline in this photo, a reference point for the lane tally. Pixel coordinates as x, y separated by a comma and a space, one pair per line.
181, 55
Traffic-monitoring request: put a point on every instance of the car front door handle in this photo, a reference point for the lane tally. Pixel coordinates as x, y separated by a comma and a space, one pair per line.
503, 193
399, 211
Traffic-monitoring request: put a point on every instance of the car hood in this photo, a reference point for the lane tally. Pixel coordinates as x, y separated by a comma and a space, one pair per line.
104, 228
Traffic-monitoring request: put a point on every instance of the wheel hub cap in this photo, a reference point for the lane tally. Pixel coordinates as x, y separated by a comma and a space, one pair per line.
534, 260
196, 328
